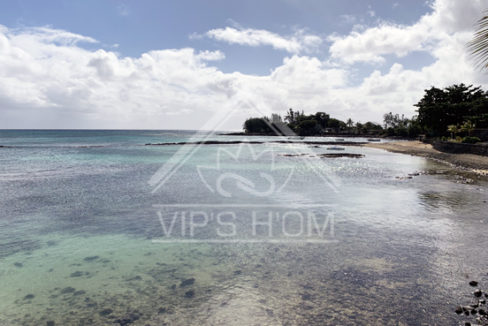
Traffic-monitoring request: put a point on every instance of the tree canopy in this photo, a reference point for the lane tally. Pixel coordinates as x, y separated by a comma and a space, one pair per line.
455, 109
453, 105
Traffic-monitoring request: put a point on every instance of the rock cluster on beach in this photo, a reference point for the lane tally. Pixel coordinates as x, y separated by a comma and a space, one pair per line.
477, 309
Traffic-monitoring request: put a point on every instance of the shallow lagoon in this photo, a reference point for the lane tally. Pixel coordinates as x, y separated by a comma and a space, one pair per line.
78, 220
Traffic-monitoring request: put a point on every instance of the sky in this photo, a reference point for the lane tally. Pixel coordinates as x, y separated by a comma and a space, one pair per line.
148, 64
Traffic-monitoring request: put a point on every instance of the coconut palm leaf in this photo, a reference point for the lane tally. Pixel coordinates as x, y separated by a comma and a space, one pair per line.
479, 44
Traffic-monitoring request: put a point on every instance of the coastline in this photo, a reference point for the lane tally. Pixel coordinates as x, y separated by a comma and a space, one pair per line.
469, 162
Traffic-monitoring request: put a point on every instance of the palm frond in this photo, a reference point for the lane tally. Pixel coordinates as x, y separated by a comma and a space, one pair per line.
479, 45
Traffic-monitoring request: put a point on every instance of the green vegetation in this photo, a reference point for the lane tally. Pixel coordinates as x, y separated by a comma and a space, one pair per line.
455, 112
301, 124
456, 109
470, 140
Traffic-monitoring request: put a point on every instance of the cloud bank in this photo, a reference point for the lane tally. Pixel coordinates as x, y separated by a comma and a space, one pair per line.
48, 79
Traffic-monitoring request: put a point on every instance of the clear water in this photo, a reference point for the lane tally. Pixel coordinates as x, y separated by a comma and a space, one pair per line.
78, 217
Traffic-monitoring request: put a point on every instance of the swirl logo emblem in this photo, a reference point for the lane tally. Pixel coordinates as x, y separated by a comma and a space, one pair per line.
223, 179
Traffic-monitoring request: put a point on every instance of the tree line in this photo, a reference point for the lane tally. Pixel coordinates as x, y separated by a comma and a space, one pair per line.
454, 111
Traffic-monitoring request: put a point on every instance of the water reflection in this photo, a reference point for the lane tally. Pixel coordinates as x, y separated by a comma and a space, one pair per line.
76, 245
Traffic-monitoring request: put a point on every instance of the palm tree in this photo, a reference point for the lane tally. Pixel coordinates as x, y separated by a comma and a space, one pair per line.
468, 126
453, 129
479, 44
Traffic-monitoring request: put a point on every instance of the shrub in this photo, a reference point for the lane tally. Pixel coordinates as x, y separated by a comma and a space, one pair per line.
470, 140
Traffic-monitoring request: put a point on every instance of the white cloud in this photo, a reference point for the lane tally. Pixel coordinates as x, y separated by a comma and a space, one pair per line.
47, 80
123, 10
298, 42
447, 18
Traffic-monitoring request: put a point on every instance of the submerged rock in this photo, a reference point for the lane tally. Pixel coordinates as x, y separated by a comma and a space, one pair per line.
51, 243
50, 323
76, 274
135, 278
306, 296
189, 294
91, 258
473, 283
187, 282
336, 155
68, 289
105, 312
162, 310
29, 297
17, 264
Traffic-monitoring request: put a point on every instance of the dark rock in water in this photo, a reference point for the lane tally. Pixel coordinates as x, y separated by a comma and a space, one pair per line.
187, 282
51, 243
129, 319
459, 310
50, 323
80, 292
238, 272
76, 274
29, 297
68, 289
189, 294
173, 287
91, 258
124, 322
482, 312
135, 278
473, 283
477, 293
306, 296
467, 323
337, 155
162, 310
105, 312
17, 264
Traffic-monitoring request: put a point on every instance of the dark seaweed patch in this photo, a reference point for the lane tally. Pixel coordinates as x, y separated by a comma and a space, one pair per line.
68, 289
187, 282
105, 312
91, 258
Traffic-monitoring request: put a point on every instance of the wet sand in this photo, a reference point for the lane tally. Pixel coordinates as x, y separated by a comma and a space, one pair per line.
471, 162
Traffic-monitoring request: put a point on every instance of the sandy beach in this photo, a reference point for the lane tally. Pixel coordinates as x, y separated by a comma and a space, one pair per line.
470, 162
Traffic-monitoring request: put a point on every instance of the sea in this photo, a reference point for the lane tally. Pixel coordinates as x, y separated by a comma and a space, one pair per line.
99, 228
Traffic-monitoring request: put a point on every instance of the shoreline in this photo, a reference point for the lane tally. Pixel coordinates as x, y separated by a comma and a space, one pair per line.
468, 162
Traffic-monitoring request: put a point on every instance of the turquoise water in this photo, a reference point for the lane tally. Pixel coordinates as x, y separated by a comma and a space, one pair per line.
80, 234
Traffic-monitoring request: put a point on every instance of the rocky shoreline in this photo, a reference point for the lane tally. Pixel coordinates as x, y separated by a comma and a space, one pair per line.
231, 142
